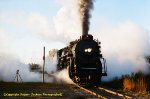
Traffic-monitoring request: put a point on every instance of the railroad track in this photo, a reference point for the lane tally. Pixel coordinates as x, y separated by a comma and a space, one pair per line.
106, 93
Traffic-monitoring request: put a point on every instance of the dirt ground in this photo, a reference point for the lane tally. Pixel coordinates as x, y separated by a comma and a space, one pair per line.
40, 90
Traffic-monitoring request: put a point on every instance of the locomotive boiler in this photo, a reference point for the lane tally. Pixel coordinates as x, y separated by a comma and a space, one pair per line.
84, 61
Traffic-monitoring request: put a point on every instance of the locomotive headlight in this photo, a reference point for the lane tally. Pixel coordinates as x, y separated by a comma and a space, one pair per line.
89, 50
86, 50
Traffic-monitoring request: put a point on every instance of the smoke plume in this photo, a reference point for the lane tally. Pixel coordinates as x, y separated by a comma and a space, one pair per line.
85, 7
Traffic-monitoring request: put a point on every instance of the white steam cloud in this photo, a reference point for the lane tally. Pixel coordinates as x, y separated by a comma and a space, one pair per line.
66, 23
62, 77
8, 67
59, 77
10, 64
124, 47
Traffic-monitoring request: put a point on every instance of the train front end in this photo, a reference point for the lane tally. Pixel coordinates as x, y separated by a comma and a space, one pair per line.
89, 65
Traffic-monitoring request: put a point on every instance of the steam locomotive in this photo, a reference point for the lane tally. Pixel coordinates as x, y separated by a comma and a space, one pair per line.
84, 61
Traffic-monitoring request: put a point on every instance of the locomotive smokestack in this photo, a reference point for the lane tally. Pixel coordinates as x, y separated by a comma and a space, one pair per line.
85, 7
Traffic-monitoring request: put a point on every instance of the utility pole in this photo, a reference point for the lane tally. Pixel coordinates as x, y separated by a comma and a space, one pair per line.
43, 62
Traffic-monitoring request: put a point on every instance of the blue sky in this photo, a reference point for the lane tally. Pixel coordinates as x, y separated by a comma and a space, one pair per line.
26, 43
121, 10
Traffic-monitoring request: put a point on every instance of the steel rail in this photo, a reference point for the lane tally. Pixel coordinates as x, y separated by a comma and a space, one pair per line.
104, 93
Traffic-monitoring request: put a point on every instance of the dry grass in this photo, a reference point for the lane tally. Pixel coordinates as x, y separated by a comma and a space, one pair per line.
128, 84
135, 84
